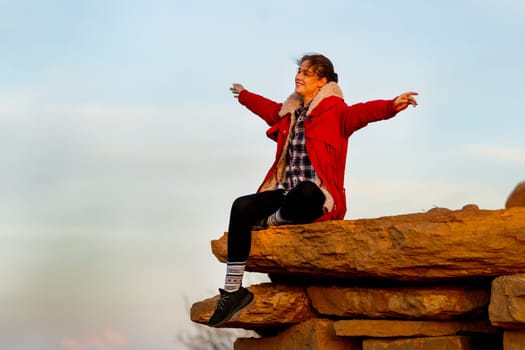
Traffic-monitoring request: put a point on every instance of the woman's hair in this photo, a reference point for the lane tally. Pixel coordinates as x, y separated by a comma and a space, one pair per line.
321, 65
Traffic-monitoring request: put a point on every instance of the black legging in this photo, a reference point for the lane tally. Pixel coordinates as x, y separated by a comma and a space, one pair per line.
303, 204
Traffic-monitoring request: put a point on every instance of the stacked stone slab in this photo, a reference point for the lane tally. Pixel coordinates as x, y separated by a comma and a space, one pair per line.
507, 309
407, 282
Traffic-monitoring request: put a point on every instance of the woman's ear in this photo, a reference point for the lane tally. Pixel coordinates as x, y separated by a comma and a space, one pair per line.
322, 82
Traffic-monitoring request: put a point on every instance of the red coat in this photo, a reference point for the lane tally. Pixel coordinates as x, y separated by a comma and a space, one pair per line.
331, 122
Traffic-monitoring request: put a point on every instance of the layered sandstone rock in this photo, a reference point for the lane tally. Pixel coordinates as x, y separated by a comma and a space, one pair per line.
517, 197
514, 340
424, 303
433, 246
395, 328
273, 306
315, 334
407, 282
425, 343
507, 302
283, 305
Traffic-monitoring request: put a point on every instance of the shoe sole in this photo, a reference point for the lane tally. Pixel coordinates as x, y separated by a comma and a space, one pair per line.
237, 311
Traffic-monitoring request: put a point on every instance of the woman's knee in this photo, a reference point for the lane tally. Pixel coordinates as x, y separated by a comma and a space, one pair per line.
309, 192
304, 203
243, 205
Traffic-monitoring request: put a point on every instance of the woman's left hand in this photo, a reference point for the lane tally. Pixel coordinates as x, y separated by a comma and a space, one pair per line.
404, 100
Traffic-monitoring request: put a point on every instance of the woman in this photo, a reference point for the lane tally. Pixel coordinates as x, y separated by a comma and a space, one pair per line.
306, 181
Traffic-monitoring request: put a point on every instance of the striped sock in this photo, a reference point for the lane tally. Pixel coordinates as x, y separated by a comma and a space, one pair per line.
234, 274
276, 219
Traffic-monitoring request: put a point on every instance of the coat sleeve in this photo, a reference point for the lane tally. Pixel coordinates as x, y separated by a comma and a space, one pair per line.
358, 116
265, 108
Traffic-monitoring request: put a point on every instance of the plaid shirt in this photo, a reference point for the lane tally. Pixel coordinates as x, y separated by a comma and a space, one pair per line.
298, 168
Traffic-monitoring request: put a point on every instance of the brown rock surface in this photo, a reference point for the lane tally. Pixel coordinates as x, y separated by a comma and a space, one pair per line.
437, 245
514, 340
392, 328
273, 306
517, 197
316, 334
507, 302
431, 303
426, 343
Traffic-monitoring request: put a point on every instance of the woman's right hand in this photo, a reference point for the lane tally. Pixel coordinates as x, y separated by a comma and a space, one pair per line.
236, 89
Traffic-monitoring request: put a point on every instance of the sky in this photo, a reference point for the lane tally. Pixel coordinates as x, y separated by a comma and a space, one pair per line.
121, 147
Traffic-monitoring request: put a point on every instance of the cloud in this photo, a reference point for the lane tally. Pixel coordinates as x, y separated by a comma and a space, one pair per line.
508, 7
115, 338
108, 339
72, 344
494, 153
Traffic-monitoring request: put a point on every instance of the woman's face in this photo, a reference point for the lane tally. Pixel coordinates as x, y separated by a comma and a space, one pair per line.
307, 83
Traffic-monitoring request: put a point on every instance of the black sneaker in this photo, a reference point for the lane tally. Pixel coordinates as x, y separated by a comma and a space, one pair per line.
230, 305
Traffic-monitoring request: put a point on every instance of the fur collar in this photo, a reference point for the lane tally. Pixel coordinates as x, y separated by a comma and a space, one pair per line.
295, 101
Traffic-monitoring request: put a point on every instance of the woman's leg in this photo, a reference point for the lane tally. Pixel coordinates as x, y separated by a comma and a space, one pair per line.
246, 211
303, 204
